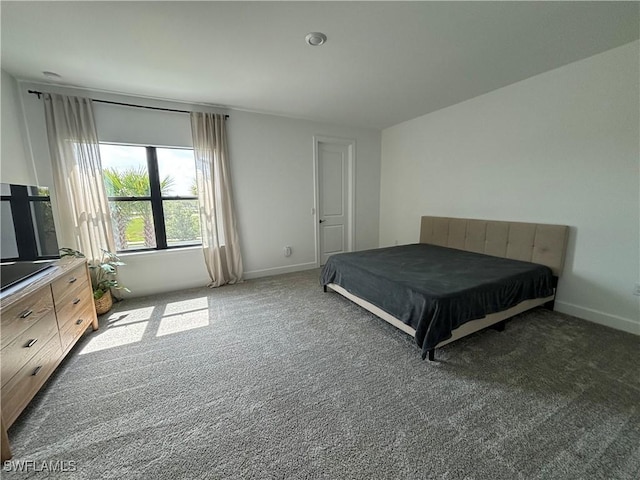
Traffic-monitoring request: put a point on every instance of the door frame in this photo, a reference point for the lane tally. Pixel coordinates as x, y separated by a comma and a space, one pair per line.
350, 143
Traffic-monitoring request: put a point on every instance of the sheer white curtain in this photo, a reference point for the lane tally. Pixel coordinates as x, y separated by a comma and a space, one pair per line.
83, 209
217, 219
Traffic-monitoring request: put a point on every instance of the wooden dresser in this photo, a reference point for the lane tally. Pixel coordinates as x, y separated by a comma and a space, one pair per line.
40, 322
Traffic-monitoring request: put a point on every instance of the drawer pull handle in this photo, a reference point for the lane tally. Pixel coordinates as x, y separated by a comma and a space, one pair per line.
35, 372
26, 313
79, 321
72, 279
31, 343
76, 301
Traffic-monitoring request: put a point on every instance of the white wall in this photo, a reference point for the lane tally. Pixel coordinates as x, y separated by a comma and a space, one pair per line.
16, 164
272, 176
561, 147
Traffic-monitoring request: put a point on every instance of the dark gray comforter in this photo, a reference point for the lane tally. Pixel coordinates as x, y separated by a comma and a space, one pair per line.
436, 289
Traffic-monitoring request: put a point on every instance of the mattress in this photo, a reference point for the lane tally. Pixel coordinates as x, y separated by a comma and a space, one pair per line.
436, 289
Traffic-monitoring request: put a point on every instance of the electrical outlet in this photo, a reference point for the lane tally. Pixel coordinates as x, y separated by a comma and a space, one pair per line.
636, 289
287, 251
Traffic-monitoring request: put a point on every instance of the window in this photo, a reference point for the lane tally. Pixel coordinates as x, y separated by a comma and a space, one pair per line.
28, 229
152, 196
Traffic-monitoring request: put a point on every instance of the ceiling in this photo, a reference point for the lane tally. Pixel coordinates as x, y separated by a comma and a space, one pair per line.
383, 63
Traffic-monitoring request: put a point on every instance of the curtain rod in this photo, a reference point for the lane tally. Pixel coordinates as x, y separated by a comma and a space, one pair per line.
35, 92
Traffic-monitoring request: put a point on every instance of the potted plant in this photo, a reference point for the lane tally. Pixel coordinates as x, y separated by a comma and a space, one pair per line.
103, 277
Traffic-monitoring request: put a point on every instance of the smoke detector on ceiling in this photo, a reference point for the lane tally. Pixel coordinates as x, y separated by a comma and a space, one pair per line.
315, 39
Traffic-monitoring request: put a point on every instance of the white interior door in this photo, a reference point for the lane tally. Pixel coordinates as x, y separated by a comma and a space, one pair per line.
333, 197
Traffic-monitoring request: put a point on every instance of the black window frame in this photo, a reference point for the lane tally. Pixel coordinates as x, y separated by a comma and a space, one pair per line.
20, 200
156, 199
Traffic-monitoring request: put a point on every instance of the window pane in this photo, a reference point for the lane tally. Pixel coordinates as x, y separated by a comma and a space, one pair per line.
37, 191
177, 169
9, 244
182, 222
132, 225
44, 228
125, 170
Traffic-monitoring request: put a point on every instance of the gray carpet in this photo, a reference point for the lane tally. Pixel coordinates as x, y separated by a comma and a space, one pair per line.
275, 379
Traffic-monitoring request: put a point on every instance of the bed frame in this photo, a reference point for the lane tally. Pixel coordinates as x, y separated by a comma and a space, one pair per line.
531, 242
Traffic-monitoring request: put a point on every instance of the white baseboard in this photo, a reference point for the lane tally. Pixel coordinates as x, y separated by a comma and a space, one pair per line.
267, 272
596, 316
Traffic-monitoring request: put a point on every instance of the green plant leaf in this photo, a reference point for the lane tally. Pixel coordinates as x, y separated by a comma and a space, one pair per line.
70, 252
108, 268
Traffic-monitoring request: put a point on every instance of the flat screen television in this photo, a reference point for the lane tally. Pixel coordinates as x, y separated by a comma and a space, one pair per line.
28, 241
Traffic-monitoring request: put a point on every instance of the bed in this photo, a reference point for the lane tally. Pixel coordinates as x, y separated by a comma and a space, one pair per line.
464, 275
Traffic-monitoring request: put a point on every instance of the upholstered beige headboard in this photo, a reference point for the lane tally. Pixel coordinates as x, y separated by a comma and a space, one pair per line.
531, 242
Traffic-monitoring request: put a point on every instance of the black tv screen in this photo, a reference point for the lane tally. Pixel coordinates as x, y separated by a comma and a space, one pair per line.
28, 230
15, 272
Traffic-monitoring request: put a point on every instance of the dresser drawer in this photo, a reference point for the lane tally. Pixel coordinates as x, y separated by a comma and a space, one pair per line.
26, 345
67, 282
25, 313
70, 294
76, 326
18, 391
71, 305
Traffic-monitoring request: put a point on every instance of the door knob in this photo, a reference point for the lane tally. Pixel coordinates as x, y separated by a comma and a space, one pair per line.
321, 221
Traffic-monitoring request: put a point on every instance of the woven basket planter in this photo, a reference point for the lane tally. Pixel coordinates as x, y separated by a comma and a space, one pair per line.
104, 303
